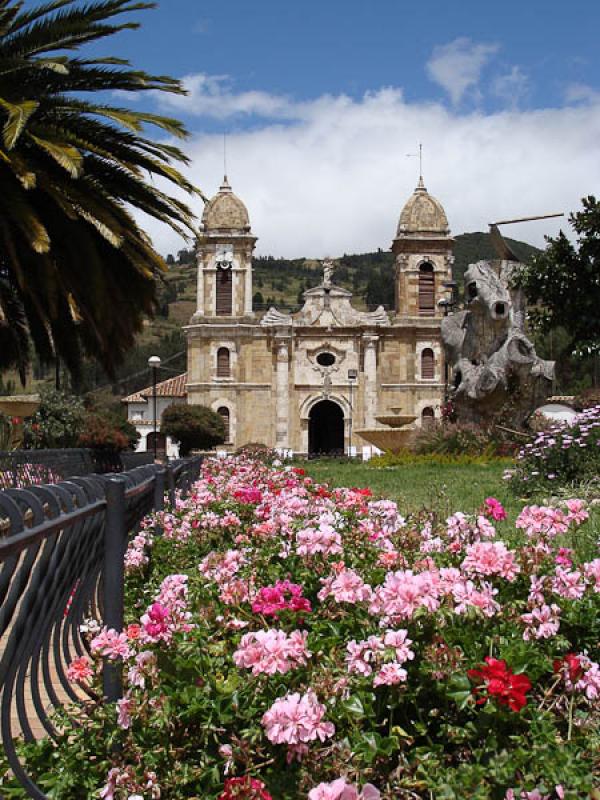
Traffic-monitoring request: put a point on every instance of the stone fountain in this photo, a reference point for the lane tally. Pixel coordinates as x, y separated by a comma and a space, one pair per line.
395, 435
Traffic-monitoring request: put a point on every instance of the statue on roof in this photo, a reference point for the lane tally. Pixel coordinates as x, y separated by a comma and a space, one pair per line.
328, 270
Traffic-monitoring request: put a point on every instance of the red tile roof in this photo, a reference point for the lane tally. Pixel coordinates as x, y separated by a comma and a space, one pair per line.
173, 387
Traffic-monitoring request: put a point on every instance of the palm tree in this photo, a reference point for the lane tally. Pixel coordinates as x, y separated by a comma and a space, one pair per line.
77, 274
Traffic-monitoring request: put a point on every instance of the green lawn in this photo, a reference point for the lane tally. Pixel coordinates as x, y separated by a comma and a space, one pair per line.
445, 487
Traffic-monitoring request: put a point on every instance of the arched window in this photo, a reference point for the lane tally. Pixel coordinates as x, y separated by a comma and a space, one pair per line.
223, 363
223, 411
427, 364
427, 416
426, 290
224, 292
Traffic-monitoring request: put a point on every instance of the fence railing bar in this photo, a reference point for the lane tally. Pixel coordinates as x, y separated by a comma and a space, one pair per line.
115, 535
46, 529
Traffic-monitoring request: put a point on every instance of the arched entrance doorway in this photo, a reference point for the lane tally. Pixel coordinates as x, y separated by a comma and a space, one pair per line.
325, 428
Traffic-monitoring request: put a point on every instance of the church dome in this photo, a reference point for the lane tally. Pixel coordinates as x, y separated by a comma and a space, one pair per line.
422, 214
225, 211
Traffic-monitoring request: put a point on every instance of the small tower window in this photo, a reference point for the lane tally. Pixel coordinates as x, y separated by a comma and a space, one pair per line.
426, 290
224, 293
427, 417
223, 412
427, 364
223, 363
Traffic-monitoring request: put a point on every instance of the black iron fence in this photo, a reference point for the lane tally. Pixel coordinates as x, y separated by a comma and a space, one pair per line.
20, 468
61, 562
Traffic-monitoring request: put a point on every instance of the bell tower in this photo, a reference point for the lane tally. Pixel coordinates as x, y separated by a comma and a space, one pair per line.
224, 250
423, 248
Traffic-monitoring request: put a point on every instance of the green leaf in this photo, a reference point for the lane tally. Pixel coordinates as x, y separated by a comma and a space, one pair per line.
69, 158
18, 114
353, 706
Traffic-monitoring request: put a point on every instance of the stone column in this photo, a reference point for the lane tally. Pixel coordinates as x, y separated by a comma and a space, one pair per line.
370, 368
282, 395
248, 286
200, 284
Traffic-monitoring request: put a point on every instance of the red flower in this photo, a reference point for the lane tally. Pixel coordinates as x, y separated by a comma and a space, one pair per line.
247, 788
495, 679
16, 420
570, 665
298, 471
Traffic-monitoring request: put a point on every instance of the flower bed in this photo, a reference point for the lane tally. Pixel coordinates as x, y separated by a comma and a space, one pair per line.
290, 641
563, 455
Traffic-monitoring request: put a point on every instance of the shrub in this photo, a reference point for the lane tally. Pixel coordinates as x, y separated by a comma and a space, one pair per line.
408, 458
194, 427
564, 455
58, 422
101, 433
460, 438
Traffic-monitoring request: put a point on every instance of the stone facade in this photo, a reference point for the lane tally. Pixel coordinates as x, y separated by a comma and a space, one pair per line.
308, 381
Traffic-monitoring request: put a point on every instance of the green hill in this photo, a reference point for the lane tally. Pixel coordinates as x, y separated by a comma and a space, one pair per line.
281, 281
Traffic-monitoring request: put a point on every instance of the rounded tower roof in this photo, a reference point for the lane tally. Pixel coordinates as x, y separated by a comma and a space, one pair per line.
225, 211
422, 214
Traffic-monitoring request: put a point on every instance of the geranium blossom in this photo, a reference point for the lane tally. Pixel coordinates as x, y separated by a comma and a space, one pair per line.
282, 596
495, 679
345, 586
297, 719
79, 669
340, 790
272, 651
491, 558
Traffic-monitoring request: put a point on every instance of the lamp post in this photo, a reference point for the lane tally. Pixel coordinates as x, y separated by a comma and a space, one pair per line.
154, 364
352, 376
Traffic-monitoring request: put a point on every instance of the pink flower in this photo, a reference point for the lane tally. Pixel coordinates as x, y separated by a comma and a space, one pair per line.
491, 558
390, 674
467, 594
493, 508
297, 719
270, 600
403, 593
589, 683
111, 644
124, 708
322, 539
79, 670
345, 587
272, 651
592, 573
542, 622
340, 790
576, 511
568, 584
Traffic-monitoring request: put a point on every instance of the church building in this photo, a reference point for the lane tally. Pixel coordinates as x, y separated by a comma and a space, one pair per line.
311, 381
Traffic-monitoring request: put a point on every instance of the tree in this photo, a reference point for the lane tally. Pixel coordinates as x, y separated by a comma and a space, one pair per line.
71, 168
563, 282
194, 427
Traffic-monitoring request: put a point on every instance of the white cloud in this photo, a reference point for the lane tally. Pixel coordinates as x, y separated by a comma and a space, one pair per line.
512, 87
581, 93
213, 96
457, 66
335, 178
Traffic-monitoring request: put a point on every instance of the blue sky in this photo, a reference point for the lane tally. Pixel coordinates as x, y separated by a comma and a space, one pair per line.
321, 102
306, 49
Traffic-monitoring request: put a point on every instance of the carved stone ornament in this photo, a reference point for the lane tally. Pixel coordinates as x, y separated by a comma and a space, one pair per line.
490, 358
